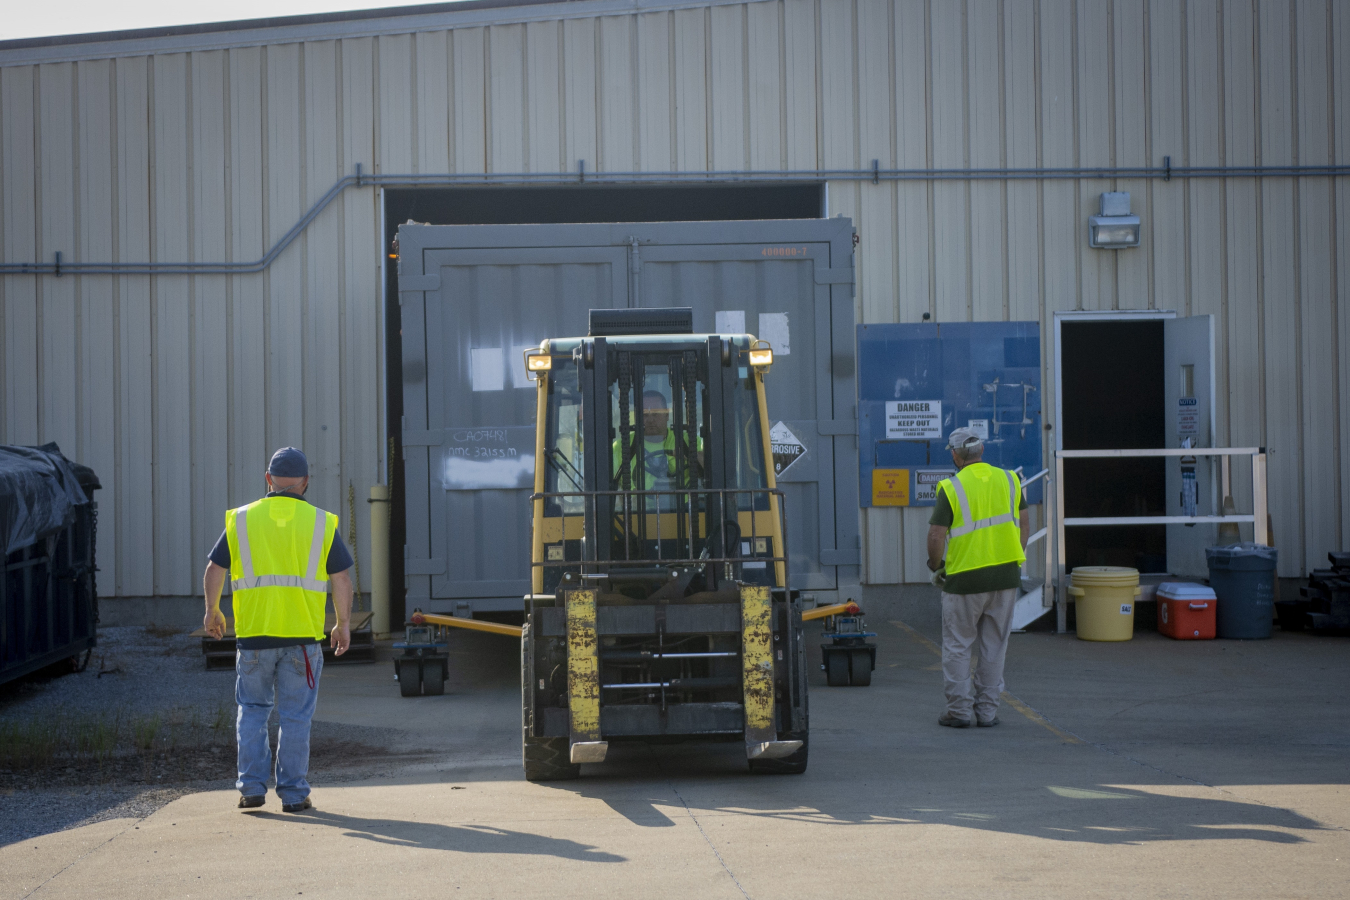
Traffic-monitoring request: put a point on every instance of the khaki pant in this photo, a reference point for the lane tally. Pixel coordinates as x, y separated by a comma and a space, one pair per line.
983, 620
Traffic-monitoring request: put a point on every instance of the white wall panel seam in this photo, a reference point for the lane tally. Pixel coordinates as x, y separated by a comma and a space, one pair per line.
4, 294
40, 361
1337, 313
928, 162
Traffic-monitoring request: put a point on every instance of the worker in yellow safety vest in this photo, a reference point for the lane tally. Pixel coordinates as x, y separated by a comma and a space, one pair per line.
652, 466
980, 521
282, 556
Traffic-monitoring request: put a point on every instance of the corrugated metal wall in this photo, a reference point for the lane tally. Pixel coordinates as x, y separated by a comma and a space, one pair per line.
176, 388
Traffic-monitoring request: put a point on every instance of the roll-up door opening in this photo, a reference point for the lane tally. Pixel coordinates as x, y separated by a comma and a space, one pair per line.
547, 205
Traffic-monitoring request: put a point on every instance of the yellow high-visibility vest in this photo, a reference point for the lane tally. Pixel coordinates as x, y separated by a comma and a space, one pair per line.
647, 459
984, 530
279, 567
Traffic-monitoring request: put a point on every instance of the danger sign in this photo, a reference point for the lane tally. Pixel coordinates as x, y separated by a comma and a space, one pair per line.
786, 448
914, 419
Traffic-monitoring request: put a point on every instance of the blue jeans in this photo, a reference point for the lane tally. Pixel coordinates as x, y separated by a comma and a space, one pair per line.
264, 678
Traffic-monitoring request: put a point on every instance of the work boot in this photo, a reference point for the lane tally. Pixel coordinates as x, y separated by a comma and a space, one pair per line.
252, 802
987, 723
300, 806
952, 721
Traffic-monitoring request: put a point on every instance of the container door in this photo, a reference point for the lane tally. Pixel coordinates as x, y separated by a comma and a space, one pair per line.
783, 294
472, 296
469, 410
1188, 359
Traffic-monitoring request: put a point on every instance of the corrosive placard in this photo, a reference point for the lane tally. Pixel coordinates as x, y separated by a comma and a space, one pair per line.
1188, 416
786, 448
914, 419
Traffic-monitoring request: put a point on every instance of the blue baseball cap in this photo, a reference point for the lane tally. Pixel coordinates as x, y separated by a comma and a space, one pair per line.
288, 462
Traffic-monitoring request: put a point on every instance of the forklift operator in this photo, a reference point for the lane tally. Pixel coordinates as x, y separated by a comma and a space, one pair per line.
980, 519
658, 459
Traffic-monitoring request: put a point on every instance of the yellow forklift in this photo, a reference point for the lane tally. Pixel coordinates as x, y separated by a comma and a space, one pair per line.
660, 608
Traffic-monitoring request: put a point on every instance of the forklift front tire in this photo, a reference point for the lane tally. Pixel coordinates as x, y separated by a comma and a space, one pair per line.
549, 759
788, 765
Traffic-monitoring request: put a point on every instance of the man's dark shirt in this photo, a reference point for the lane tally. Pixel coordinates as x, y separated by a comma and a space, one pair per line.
986, 578
339, 560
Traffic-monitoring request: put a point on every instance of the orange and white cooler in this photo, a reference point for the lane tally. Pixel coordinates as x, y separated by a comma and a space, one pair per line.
1186, 611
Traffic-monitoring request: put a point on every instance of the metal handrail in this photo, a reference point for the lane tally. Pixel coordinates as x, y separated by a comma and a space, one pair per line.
1257, 517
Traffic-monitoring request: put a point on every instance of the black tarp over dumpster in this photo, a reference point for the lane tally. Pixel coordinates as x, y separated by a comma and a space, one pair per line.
48, 524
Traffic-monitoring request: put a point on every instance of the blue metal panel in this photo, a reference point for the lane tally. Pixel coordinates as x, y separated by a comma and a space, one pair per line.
979, 370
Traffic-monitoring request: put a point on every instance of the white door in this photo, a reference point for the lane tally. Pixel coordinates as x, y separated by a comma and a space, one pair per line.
1188, 358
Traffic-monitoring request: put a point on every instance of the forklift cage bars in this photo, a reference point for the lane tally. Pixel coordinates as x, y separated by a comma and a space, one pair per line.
1257, 517
624, 507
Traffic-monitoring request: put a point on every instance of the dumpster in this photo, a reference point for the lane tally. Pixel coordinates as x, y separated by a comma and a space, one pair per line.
1105, 597
48, 520
1243, 577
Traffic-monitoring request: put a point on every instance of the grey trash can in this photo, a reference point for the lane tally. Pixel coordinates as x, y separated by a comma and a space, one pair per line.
1243, 576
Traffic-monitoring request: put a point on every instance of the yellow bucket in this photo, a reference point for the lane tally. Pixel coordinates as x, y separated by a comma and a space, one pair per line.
1105, 598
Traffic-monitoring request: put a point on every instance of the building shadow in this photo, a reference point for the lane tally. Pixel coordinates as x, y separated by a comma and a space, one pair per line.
436, 836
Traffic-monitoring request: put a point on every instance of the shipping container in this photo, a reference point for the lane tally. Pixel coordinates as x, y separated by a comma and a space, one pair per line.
474, 298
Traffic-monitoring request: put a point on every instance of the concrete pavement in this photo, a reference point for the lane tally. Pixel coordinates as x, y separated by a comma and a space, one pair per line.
1150, 768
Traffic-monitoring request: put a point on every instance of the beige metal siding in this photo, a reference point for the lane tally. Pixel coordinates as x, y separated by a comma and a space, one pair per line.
176, 388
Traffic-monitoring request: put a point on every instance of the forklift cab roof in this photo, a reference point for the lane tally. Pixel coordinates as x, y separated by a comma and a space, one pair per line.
624, 322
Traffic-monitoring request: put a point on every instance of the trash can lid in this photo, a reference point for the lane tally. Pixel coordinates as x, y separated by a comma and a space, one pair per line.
1105, 576
1185, 590
1246, 548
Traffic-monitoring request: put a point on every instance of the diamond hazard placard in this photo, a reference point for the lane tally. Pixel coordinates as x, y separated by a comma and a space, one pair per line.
786, 448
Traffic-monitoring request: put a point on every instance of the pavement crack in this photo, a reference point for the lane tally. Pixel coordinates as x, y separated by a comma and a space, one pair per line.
91, 851
711, 846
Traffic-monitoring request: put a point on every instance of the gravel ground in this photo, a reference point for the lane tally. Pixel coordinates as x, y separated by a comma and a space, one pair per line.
138, 676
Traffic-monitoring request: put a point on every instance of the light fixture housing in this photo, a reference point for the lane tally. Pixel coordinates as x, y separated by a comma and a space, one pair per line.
538, 362
1115, 228
761, 357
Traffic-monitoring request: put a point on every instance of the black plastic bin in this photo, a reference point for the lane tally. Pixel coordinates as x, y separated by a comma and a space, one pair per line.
48, 599
1243, 578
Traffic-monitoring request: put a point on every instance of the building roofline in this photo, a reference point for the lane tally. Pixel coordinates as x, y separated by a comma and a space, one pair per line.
321, 26
355, 15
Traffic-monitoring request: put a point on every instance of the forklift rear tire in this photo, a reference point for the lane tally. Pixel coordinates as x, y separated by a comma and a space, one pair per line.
836, 669
433, 677
860, 667
409, 679
788, 765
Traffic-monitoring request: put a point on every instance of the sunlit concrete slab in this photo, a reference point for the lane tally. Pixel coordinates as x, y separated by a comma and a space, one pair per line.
1150, 768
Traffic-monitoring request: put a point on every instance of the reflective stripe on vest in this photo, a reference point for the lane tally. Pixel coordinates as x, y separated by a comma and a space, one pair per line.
970, 525
308, 582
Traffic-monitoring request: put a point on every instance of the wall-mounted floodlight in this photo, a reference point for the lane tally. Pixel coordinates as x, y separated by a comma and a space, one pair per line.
1115, 228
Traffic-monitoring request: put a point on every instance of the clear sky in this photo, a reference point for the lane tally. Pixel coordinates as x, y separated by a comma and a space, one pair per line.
26, 18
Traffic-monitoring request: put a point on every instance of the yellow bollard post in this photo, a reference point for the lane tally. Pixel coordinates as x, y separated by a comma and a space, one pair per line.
379, 560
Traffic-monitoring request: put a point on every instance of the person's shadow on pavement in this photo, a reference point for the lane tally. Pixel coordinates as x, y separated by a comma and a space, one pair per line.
459, 838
